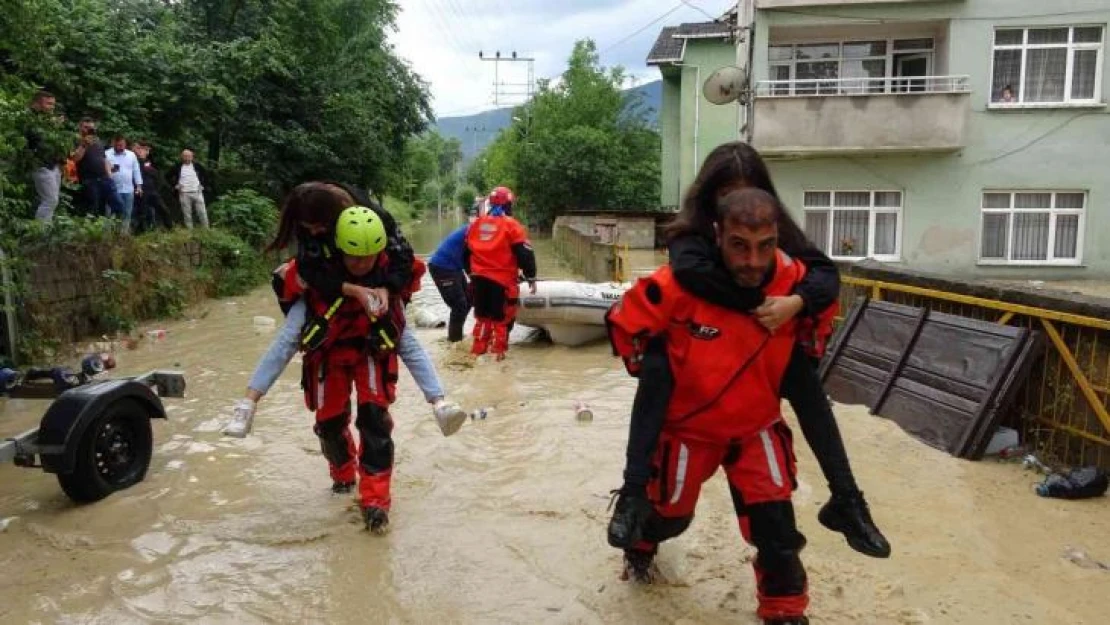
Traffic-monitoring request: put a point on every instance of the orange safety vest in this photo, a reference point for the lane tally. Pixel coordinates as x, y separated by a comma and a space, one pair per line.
490, 241
727, 367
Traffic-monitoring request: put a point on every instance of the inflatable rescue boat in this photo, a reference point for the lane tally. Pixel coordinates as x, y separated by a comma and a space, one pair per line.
572, 313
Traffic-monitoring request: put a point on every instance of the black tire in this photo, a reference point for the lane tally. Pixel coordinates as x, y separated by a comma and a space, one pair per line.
113, 453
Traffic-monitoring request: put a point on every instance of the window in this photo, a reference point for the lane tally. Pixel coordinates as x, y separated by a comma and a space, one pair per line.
855, 224
1047, 65
829, 68
1033, 227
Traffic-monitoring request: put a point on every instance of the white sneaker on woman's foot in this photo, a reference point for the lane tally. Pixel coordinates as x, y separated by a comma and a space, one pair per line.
449, 416
242, 418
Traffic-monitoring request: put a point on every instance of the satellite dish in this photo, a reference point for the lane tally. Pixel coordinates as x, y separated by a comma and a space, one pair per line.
725, 85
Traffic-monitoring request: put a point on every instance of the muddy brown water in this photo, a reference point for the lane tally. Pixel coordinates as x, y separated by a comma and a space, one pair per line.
504, 522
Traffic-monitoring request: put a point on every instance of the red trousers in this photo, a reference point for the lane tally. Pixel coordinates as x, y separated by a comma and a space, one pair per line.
373, 380
760, 471
494, 312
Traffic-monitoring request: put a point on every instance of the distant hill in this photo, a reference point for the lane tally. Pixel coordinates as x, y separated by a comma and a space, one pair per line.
477, 131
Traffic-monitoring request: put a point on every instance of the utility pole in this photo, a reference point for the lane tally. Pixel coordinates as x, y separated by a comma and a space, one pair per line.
474, 130
498, 92
743, 34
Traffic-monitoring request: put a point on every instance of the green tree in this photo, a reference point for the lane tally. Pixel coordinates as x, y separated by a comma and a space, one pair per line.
278, 91
579, 144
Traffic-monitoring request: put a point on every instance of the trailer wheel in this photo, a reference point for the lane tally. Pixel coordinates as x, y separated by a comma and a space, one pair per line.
113, 453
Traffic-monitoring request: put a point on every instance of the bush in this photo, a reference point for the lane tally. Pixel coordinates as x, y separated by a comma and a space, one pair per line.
125, 279
232, 266
247, 214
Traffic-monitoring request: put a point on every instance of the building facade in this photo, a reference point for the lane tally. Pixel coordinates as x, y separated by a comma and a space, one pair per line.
969, 137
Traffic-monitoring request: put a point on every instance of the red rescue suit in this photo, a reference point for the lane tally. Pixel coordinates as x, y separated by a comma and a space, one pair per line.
493, 247
724, 413
355, 350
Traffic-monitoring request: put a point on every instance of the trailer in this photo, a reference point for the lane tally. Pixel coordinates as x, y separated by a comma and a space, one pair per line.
96, 438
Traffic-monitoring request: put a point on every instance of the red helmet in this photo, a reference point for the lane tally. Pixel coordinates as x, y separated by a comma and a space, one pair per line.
500, 196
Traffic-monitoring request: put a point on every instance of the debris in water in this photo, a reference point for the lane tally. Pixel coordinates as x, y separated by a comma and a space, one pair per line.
1082, 483
582, 412
1080, 558
4, 523
480, 413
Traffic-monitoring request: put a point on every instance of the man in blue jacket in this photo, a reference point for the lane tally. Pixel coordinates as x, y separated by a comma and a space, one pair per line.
446, 267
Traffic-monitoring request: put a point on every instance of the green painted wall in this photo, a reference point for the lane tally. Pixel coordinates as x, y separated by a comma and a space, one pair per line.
683, 102
1027, 149
671, 133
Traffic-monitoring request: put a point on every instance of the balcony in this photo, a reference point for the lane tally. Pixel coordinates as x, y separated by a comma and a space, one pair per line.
832, 116
793, 4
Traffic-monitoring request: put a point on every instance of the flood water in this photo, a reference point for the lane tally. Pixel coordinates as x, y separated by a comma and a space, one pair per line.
505, 521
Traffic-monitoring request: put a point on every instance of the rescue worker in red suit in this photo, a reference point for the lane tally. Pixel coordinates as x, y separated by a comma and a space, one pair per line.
345, 347
698, 267
497, 252
725, 408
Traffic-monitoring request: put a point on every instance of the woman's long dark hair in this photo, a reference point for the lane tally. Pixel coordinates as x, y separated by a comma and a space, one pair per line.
311, 202
727, 165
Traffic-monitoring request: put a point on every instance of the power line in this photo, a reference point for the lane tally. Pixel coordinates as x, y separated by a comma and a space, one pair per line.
698, 9
970, 18
645, 27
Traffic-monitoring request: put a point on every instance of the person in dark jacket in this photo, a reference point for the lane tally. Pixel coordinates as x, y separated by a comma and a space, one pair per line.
151, 210
446, 267
94, 173
46, 152
193, 184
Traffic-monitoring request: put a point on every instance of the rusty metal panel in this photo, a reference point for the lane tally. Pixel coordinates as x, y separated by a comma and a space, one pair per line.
945, 379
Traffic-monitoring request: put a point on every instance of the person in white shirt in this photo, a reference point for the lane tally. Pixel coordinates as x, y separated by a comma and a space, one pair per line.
189, 178
126, 175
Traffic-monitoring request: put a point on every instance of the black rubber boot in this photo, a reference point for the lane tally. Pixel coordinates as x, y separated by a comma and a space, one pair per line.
849, 515
377, 520
787, 620
630, 515
639, 566
342, 488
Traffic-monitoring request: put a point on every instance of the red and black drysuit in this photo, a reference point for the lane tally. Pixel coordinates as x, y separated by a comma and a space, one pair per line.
724, 411
355, 351
697, 268
497, 251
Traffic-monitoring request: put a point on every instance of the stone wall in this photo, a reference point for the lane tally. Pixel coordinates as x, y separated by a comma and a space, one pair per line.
585, 253
59, 284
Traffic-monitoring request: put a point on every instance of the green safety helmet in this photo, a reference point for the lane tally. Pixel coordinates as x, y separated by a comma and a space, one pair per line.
359, 232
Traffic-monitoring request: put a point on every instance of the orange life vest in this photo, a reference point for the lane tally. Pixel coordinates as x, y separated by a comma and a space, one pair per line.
490, 241
727, 367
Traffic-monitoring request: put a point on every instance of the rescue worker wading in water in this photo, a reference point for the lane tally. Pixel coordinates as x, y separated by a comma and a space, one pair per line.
343, 346
497, 252
725, 408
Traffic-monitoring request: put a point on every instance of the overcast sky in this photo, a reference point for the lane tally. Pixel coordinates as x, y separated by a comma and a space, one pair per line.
441, 39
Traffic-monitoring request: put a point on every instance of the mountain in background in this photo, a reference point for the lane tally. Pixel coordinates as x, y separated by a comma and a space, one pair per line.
477, 131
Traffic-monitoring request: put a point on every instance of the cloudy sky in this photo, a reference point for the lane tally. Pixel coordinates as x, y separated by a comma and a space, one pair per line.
441, 39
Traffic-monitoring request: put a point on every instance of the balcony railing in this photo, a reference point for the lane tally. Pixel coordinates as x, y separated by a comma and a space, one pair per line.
888, 85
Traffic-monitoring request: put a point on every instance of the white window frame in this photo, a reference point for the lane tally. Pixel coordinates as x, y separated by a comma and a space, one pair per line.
1071, 46
889, 76
872, 211
1053, 213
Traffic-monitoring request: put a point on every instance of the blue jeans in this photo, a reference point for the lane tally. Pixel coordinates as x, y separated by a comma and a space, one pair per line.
101, 197
419, 365
284, 346
127, 204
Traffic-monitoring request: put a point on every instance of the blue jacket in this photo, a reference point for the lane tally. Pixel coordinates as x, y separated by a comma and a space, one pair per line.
449, 254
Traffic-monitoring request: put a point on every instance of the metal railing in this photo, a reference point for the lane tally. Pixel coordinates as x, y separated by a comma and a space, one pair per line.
888, 85
1064, 408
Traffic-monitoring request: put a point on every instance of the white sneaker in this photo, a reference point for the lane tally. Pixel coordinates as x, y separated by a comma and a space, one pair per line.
449, 416
242, 418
